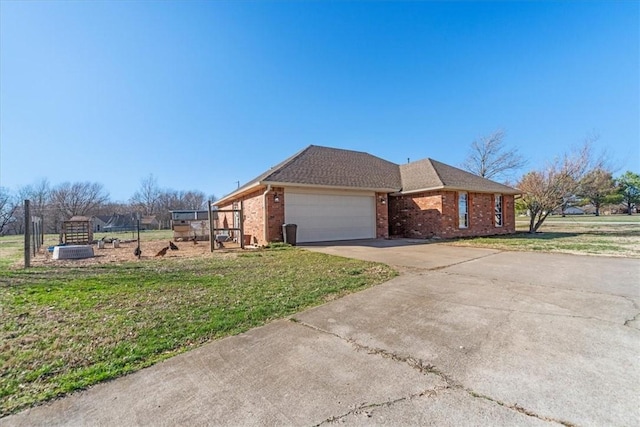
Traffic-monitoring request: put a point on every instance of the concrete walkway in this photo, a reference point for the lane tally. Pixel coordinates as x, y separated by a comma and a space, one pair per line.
463, 337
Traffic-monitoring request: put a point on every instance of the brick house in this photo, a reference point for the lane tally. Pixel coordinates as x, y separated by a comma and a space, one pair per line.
335, 194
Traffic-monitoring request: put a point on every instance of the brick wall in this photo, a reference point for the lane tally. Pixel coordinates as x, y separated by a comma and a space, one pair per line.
382, 216
253, 210
275, 216
416, 216
435, 214
254, 216
509, 210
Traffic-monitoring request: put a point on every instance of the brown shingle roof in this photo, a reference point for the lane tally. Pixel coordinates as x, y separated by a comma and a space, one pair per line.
329, 167
337, 168
429, 174
334, 167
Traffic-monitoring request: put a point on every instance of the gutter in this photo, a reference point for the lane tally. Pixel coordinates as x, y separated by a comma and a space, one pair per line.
447, 188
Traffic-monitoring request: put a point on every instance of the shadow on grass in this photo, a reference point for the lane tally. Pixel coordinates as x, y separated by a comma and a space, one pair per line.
635, 232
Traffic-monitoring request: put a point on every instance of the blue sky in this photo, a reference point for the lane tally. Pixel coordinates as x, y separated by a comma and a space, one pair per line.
202, 94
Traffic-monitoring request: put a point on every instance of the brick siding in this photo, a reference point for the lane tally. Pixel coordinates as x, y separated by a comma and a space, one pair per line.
382, 216
275, 216
423, 215
254, 216
435, 214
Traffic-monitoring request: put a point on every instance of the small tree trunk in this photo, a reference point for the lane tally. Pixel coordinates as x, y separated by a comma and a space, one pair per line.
532, 219
540, 221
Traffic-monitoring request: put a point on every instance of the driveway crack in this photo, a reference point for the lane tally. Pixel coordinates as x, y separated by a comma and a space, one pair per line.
417, 364
633, 319
366, 408
425, 368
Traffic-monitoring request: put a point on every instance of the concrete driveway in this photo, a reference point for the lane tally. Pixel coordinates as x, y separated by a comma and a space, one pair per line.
462, 337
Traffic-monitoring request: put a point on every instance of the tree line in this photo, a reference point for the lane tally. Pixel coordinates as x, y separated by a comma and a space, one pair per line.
578, 177
55, 204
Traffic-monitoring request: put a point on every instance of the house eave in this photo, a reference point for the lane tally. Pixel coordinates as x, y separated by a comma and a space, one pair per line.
239, 192
261, 184
330, 187
450, 188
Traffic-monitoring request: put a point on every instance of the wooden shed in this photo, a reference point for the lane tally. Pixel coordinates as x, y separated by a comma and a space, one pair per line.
77, 231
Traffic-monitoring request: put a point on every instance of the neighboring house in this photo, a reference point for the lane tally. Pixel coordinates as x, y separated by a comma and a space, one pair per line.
129, 222
149, 222
569, 210
335, 194
122, 222
100, 222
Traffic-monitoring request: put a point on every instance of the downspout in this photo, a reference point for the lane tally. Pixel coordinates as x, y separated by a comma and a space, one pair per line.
266, 214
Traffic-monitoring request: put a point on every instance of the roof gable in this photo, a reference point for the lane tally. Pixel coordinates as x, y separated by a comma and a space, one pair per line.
335, 167
329, 167
429, 174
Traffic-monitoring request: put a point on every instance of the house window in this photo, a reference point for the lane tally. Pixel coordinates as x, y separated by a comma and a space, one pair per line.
463, 210
497, 205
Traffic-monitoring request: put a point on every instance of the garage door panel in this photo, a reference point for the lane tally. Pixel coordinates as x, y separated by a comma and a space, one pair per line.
323, 217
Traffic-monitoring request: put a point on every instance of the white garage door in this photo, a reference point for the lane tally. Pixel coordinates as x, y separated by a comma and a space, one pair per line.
324, 217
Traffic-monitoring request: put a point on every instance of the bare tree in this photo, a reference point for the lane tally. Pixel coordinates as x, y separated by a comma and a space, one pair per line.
78, 198
147, 197
192, 200
547, 189
597, 187
8, 207
40, 196
490, 158
111, 208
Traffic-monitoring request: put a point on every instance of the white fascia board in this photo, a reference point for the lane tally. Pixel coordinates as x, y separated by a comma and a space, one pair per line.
238, 193
329, 187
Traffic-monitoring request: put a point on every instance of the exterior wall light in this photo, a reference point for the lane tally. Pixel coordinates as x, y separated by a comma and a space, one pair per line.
276, 198
383, 200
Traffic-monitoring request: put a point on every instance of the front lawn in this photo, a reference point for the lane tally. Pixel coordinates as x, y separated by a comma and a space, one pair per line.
576, 235
64, 328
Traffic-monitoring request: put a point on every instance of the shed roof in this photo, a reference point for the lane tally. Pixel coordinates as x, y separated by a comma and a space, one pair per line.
79, 218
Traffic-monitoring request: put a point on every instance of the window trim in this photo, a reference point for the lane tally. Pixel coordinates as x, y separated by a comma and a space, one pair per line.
496, 213
463, 215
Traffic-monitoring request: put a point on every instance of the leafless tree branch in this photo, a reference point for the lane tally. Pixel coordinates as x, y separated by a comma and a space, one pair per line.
490, 158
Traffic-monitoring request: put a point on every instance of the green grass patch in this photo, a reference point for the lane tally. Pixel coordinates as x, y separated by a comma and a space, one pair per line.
614, 238
64, 329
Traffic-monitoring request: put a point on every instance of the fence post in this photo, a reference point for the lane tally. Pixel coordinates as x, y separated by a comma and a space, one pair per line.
34, 234
211, 241
27, 235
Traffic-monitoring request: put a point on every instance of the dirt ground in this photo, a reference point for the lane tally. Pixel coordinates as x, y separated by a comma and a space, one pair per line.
125, 252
